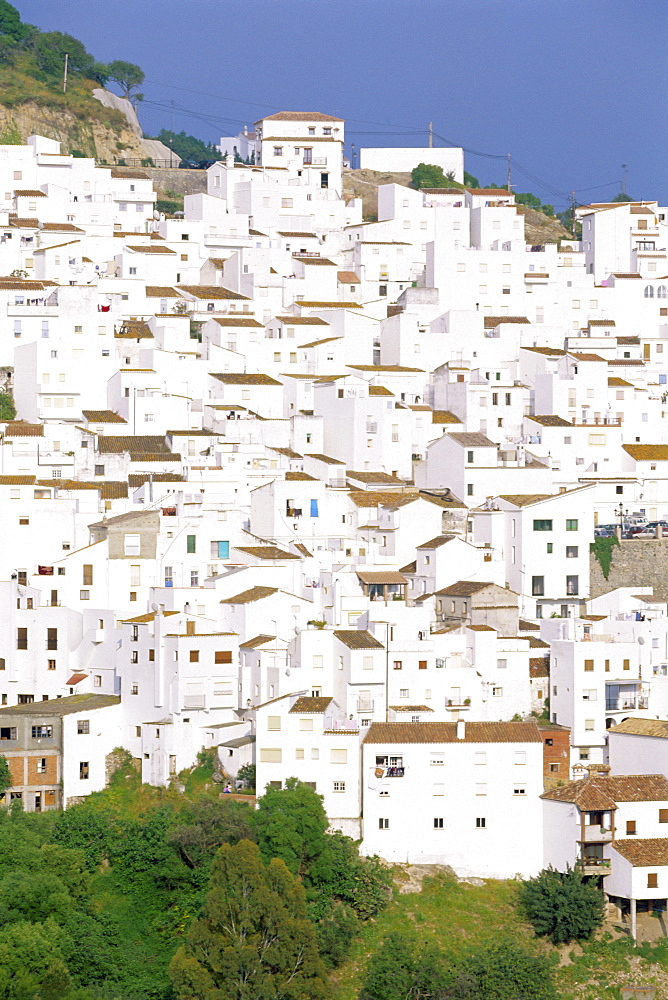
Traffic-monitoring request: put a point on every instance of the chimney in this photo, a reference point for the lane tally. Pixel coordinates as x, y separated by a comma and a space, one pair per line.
461, 729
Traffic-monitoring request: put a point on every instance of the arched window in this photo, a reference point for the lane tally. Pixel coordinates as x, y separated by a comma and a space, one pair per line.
649, 292
662, 292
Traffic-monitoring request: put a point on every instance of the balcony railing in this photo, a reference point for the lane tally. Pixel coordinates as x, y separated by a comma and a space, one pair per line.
394, 772
594, 866
194, 701
625, 704
596, 834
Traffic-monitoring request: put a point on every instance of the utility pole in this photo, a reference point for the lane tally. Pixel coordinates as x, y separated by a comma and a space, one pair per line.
352, 156
573, 212
67, 59
508, 185
431, 135
625, 176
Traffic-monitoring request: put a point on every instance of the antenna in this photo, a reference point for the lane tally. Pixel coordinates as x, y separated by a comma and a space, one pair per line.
508, 185
625, 176
573, 212
67, 59
431, 135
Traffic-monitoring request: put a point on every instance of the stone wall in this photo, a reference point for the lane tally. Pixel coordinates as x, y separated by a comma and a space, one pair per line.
635, 563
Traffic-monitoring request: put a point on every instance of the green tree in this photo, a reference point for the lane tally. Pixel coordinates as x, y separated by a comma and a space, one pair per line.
391, 972
428, 175
5, 773
50, 48
7, 412
127, 75
470, 181
622, 197
562, 905
291, 824
32, 964
208, 825
28, 896
246, 774
11, 26
187, 146
254, 939
504, 971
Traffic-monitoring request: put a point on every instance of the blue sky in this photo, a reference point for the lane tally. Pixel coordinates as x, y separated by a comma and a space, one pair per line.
571, 88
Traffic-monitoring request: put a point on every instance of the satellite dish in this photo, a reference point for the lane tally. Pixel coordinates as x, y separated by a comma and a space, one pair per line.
287, 672
641, 640
155, 607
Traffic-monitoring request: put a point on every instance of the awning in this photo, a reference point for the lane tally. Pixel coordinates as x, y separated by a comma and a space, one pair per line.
387, 576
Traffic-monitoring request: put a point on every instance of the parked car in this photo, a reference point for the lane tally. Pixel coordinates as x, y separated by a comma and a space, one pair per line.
605, 530
650, 530
188, 165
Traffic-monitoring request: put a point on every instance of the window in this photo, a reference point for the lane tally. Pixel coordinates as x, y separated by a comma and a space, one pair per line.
549, 547
83, 727
589, 665
571, 524
469, 489
626, 665
520, 757
383, 824
132, 545
398, 664
481, 789
538, 586
663, 815
554, 768
84, 595
271, 755
403, 692
497, 692
501, 664
480, 757
338, 756
83, 770
542, 524
589, 694
437, 760
37, 733
22, 638
278, 151
519, 790
194, 655
191, 543
134, 688
480, 823
652, 880
87, 575
438, 823
222, 656
572, 586
338, 786
589, 725
571, 551
274, 723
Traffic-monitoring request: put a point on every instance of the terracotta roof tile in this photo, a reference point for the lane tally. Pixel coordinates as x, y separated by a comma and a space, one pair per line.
643, 727
649, 852
266, 552
446, 732
310, 706
251, 595
590, 793
357, 639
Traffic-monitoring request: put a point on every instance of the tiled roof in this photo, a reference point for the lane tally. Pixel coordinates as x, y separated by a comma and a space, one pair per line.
357, 639
324, 458
473, 439
299, 116
61, 227
317, 343
539, 666
647, 852
643, 727
589, 793
161, 292
549, 420
348, 278
236, 321
103, 417
435, 543
318, 261
411, 708
28, 193
136, 479
385, 368
21, 428
145, 619
379, 390
601, 322
259, 640
377, 498
149, 443
381, 478
302, 321
266, 552
463, 588
445, 417
526, 499
251, 595
133, 329
620, 383
310, 706
242, 379
129, 174
579, 356
112, 490
647, 452
210, 292
155, 248
384, 576
63, 706
446, 732
328, 305
492, 321
17, 480
301, 477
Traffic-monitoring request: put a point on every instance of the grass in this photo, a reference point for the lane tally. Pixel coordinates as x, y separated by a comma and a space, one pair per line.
459, 917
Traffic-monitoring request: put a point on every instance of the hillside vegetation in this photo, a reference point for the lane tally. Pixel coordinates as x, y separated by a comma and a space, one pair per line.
32, 99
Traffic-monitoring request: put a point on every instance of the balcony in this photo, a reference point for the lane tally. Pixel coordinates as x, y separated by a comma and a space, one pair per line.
594, 866
194, 701
365, 705
626, 704
372, 428
597, 835
394, 772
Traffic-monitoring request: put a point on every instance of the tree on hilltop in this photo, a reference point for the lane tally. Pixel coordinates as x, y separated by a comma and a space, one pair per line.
128, 76
429, 175
11, 26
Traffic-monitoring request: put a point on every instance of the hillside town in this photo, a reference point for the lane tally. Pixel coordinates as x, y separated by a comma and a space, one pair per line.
357, 502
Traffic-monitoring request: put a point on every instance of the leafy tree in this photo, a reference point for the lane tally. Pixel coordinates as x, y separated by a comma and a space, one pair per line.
562, 905
7, 412
5, 773
28, 896
210, 824
85, 829
428, 175
526, 198
246, 774
11, 26
622, 197
31, 962
188, 147
254, 939
291, 824
391, 972
340, 873
50, 48
470, 181
128, 76
504, 971
335, 934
